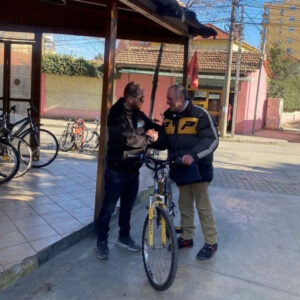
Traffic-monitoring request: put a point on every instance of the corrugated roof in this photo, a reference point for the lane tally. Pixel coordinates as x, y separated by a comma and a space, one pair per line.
172, 60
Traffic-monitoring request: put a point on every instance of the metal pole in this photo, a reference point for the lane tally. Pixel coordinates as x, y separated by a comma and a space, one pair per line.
237, 76
225, 101
259, 78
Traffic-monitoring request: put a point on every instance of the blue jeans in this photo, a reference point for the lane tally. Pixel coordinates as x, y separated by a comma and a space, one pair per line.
118, 185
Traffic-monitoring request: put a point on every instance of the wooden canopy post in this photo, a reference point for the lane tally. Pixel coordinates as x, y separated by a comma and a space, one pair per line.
107, 98
185, 62
36, 76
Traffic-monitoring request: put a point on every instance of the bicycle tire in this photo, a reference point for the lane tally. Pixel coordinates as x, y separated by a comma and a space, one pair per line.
25, 153
87, 140
153, 267
9, 161
46, 151
66, 142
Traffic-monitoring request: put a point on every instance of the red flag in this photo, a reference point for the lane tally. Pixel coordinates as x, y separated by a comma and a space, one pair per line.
193, 71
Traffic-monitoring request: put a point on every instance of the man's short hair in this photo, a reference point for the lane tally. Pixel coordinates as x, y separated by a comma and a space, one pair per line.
132, 89
178, 90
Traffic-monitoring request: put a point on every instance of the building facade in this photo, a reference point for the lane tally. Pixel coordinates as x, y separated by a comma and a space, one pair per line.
282, 21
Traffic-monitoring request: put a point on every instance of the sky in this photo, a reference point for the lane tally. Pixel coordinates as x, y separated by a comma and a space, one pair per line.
218, 13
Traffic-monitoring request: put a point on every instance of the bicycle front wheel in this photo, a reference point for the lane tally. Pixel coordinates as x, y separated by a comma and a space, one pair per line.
9, 161
44, 153
25, 155
66, 141
161, 258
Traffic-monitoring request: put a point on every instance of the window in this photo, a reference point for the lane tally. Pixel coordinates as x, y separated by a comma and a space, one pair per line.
289, 40
280, 30
289, 50
280, 21
292, 19
293, 7
282, 11
291, 29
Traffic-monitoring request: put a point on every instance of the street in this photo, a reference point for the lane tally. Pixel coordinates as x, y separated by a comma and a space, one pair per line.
255, 197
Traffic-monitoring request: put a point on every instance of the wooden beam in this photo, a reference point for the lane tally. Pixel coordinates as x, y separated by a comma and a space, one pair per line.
6, 79
107, 99
185, 62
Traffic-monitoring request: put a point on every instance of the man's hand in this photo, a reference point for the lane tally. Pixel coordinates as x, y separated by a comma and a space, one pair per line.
187, 159
152, 134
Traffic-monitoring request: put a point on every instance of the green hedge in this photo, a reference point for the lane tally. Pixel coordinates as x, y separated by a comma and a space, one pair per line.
69, 65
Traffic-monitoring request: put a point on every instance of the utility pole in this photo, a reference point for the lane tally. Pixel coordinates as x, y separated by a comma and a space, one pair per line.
226, 88
238, 68
262, 58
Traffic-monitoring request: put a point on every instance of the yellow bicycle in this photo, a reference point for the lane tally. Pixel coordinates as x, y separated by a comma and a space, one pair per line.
159, 244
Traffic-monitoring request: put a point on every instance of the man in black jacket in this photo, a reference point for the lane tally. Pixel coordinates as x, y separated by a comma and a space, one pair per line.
191, 135
129, 132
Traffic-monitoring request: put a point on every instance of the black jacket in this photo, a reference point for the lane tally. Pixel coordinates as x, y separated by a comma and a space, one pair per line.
126, 135
193, 132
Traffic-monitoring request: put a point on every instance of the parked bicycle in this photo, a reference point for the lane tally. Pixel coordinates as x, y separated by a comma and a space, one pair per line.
88, 139
67, 140
22, 147
159, 243
43, 143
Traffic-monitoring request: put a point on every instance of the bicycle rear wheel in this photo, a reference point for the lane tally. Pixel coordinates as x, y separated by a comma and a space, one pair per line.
25, 153
66, 141
9, 161
160, 260
45, 153
87, 140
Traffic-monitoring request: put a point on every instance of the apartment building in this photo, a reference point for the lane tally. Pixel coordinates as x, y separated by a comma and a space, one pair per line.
282, 21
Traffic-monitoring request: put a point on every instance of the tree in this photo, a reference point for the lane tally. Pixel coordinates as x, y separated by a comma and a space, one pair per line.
99, 56
285, 80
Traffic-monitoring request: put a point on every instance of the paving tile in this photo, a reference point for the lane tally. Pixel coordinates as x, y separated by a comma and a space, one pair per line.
7, 227
39, 201
65, 228
3, 217
41, 244
47, 208
10, 239
16, 214
79, 213
13, 204
7, 266
86, 220
15, 253
29, 222
70, 204
57, 217
37, 233
61, 196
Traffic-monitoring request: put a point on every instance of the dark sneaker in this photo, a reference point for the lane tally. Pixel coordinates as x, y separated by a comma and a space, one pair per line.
207, 251
128, 243
185, 243
102, 250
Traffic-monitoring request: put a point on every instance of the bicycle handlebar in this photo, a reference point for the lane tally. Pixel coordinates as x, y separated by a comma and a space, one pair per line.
158, 163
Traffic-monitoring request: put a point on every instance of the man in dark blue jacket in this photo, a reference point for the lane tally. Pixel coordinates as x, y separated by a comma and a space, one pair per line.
191, 135
129, 132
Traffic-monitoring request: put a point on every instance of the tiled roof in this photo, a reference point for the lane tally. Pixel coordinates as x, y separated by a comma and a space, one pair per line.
172, 60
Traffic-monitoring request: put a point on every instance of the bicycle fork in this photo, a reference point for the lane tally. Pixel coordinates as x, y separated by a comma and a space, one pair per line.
151, 215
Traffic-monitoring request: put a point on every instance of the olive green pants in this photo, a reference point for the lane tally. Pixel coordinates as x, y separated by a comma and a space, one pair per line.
197, 192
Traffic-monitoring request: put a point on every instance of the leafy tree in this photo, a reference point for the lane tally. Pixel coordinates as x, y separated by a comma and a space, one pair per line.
69, 65
285, 81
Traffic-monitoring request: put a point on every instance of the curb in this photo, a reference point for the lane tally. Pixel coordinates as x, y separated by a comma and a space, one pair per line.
31, 263
254, 141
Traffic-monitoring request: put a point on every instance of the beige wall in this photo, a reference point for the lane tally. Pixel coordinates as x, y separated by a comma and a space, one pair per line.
278, 23
72, 92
